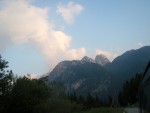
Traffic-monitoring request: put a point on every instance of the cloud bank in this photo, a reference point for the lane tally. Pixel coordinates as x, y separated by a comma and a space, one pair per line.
69, 11
21, 22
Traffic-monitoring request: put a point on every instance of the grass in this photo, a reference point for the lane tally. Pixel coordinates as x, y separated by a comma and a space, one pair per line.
104, 110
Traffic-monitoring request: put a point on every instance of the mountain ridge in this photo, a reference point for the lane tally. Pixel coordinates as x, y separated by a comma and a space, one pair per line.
86, 76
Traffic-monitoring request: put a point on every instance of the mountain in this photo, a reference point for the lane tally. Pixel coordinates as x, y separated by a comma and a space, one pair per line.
101, 59
87, 59
82, 77
125, 66
87, 76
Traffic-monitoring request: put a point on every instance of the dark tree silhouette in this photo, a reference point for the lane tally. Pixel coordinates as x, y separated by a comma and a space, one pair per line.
129, 93
6, 82
145, 81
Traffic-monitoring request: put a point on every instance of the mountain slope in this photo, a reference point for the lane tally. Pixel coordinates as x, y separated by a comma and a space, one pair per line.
128, 64
86, 76
82, 77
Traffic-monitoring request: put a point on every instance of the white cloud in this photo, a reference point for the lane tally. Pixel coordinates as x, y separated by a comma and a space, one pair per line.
22, 22
108, 54
140, 44
76, 53
69, 11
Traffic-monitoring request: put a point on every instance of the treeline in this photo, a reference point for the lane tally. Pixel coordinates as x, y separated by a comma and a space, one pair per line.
130, 92
26, 95
128, 96
90, 101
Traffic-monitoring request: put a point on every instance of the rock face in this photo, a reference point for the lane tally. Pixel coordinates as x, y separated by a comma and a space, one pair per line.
87, 59
87, 76
101, 59
82, 77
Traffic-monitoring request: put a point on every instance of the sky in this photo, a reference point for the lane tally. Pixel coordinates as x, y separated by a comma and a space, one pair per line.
35, 35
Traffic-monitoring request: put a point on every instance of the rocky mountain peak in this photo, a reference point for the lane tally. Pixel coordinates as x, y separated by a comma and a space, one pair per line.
101, 59
87, 59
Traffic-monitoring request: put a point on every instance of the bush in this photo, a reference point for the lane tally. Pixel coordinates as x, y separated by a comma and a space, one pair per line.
26, 94
58, 104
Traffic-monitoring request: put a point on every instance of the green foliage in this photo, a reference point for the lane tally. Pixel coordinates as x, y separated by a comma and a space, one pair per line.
5, 78
34, 96
92, 102
26, 94
58, 104
105, 110
57, 87
89, 101
6, 82
129, 94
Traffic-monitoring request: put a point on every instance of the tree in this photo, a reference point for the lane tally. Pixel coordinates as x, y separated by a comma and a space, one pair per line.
145, 83
27, 94
6, 78
129, 94
6, 82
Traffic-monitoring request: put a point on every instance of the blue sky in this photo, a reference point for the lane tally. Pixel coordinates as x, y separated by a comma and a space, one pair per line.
37, 34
